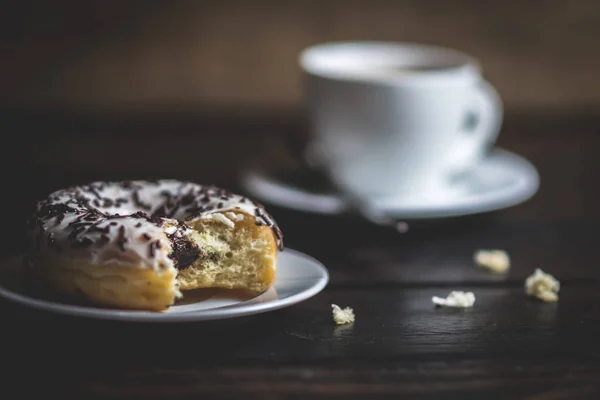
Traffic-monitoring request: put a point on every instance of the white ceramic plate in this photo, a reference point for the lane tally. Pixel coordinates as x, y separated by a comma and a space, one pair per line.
502, 180
299, 277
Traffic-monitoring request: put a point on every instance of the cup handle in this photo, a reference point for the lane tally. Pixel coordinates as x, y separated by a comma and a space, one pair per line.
480, 129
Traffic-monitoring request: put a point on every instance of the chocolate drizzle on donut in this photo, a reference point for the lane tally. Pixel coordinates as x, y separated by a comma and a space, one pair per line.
183, 251
139, 203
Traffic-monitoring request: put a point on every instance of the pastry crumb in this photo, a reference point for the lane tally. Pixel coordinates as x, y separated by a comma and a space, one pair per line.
496, 261
234, 217
342, 315
543, 286
455, 299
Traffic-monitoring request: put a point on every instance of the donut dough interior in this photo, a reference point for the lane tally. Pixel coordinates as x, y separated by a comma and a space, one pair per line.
240, 256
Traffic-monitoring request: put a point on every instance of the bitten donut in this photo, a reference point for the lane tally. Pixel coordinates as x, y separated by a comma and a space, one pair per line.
139, 244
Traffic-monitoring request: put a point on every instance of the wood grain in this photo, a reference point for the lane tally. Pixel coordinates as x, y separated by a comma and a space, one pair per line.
392, 324
465, 379
400, 343
185, 54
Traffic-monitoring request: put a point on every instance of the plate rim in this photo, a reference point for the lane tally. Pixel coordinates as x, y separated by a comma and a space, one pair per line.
526, 190
219, 313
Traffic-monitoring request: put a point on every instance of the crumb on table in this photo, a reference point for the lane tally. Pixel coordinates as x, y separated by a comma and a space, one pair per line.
455, 299
496, 261
342, 315
543, 286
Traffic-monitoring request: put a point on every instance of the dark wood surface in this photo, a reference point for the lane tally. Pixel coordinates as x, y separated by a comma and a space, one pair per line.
508, 346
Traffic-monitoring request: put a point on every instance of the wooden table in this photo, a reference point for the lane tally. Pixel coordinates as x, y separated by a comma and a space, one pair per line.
508, 346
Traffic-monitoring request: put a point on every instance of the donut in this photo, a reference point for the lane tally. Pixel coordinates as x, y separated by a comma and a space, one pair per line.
142, 244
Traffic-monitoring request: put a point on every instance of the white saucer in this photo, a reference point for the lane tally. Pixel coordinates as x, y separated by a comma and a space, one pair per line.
502, 180
299, 277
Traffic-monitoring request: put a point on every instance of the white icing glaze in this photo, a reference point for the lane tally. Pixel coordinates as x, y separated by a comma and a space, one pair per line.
171, 230
234, 217
128, 222
219, 218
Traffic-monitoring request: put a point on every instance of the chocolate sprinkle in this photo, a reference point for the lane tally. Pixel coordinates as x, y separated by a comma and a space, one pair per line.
121, 239
91, 217
194, 211
75, 233
95, 228
187, 199
93, 191
153, 247
173, 211
139, 203
160, 212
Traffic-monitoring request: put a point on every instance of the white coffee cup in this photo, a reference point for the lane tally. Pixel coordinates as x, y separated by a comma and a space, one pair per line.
397, 119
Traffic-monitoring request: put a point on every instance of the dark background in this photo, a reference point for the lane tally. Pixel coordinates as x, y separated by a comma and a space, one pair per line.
197, 55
